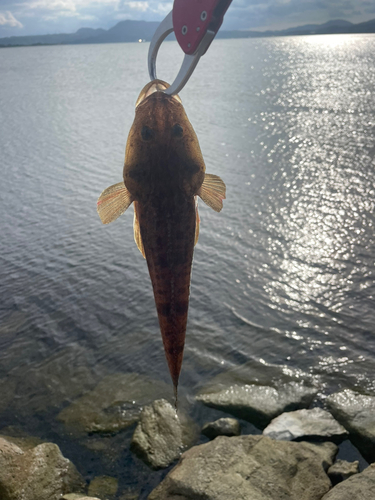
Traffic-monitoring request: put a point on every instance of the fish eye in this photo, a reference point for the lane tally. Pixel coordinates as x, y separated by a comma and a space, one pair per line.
177, 130
147, 133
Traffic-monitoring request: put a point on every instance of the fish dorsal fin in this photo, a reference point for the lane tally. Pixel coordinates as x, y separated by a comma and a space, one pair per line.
197, 221
113, 202
137, 231
212, 192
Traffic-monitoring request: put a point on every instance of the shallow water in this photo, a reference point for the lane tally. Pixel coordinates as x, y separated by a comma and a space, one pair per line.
283, 277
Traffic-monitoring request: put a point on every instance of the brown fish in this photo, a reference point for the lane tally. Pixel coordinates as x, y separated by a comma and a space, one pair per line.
164, 171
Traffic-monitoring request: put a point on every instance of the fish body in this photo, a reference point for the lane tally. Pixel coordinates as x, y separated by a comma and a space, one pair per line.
164, 171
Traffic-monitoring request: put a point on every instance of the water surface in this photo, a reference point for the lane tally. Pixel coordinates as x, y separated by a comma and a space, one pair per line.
283, 277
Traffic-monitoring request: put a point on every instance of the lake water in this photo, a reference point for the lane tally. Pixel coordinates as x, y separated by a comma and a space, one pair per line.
283, 278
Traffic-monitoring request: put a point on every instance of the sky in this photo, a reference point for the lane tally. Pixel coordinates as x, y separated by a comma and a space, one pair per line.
36, 17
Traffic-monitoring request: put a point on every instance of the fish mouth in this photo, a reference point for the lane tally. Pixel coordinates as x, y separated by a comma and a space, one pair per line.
151, 88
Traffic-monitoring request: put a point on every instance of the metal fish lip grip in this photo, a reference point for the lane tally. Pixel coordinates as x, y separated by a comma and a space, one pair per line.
195, 24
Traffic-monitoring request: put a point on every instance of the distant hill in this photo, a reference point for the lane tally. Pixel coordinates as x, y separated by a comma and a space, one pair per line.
338, 26
132, 31
124, 31
62, 38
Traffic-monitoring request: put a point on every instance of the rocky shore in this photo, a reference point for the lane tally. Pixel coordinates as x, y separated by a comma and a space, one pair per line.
295, 456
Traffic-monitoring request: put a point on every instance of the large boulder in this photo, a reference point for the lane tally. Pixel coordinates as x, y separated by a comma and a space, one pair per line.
251, 467
358, 487
114, 404
356, 412
160, 435
304, 424
259, 404
39, 473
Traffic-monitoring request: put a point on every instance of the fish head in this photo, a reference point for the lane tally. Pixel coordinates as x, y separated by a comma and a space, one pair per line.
162, 152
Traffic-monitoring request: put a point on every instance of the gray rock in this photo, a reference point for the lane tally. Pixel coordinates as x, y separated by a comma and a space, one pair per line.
259, 404
249, 467
160, 436
40, 473
356, 412
341, 470
358, 487
315, 423
222, 427
114, 404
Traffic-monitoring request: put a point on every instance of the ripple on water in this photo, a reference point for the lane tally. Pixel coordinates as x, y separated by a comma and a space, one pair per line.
283, 277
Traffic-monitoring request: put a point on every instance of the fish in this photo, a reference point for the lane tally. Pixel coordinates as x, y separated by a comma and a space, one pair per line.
164, 173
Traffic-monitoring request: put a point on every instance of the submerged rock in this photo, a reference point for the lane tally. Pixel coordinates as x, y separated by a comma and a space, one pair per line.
78, 496
20, 438
249, 467
129, 495
222, 427
59, 378
315, 423
259, 404
341, 470
160, 436
114, 404
358, 487
108, 448
356, 412
103, 486
39, 473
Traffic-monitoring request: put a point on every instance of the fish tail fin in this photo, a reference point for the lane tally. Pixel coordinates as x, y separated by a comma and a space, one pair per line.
213, 191
113, 202
175, 390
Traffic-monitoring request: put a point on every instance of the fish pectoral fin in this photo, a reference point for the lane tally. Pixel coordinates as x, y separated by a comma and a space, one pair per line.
113, 202
197, 221
137, 231
212, 192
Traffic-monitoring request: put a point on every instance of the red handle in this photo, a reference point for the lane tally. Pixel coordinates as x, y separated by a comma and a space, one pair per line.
193, 18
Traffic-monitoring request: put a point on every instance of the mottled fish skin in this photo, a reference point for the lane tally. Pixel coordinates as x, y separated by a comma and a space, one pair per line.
169, 254
163, 171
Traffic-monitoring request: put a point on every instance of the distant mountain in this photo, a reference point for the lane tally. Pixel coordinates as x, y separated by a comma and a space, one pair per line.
132, 31
62, 38
338, 26
313, 27
124, 31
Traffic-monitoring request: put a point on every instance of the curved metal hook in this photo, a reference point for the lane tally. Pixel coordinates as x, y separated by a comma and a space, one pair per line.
188, 64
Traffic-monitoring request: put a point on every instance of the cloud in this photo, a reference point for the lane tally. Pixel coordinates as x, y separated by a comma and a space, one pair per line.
8, 19
164, 8
279, 14
141, 6
56, 5
53, 16
72, 5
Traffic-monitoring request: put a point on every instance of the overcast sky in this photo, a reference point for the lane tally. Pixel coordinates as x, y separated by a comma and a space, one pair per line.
31, 17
